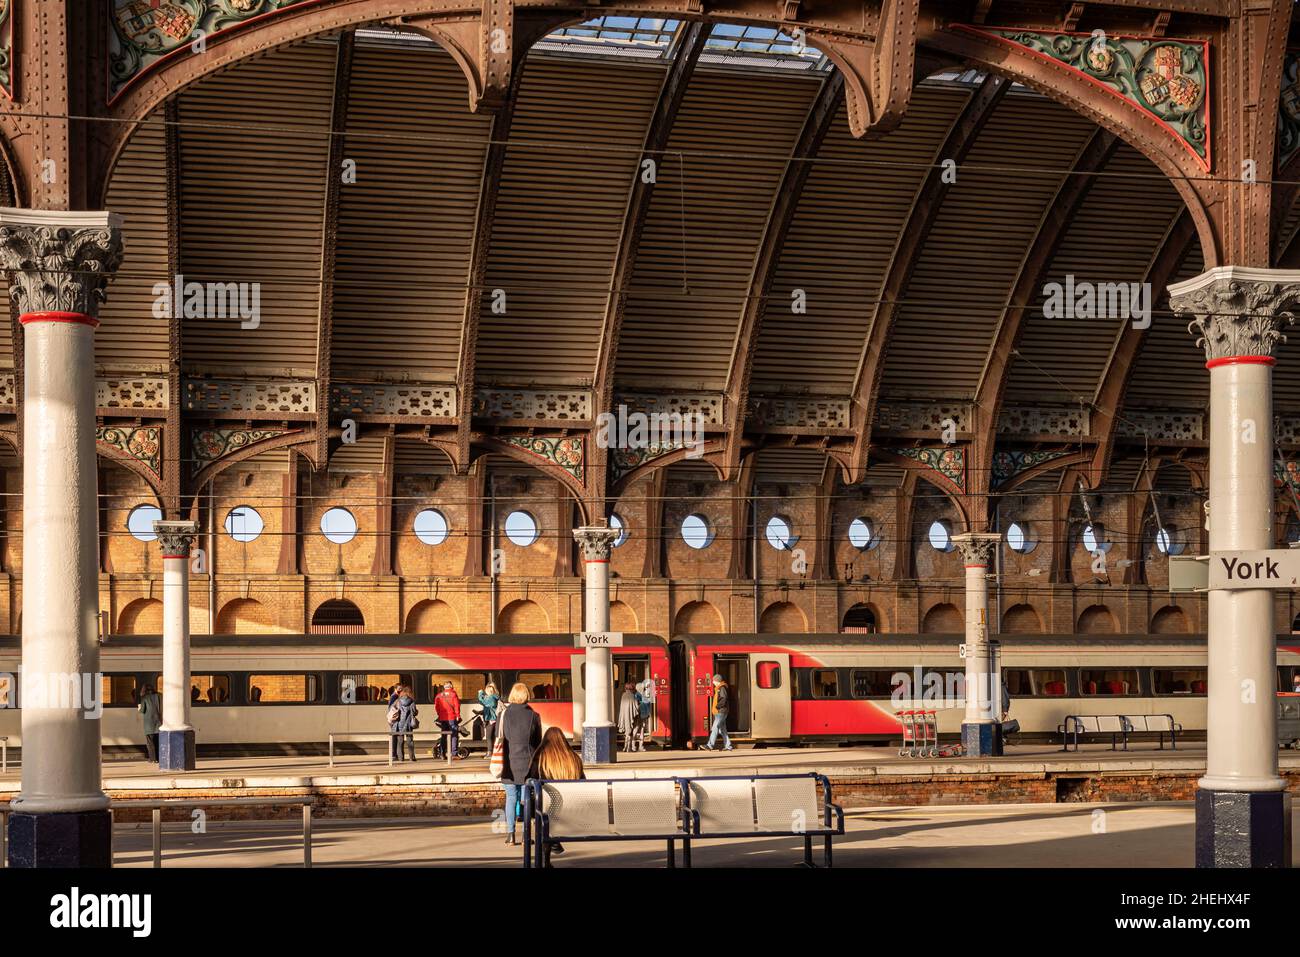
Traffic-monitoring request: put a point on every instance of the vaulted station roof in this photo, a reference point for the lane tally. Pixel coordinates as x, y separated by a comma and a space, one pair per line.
773, 263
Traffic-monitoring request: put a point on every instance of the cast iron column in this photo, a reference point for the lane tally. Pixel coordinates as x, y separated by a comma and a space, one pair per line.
60, 263
1242, 814
598, 731
981, 731
176, 736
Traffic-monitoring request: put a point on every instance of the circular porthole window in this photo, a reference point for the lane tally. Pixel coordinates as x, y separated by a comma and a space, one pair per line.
431, 526
140, 522
1168, 541
696, 531
1019, 538
940, 536
779, 534
339, 526
1094, 539
617, 523
521, 528
243, 523
862, 533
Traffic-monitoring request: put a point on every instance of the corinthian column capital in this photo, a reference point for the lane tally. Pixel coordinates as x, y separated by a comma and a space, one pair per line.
60, 261
977, 547
597, 542
176, 538
1238, 311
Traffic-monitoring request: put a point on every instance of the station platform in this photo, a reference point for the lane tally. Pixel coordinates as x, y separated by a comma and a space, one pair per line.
364, 785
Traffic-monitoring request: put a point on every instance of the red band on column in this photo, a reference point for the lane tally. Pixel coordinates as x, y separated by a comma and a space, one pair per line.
1241, 360
80, 318
165, 557
985, 565
596, 561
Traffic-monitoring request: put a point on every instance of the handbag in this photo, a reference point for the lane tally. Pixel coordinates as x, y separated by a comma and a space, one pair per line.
497, 762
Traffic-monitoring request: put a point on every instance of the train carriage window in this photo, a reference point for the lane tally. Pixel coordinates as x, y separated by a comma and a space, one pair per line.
283, 689
768, 674
1179, 681
1118, 682
119, 691
825, 683
941, 684
1034, 682
357, 688
872, 684
548, 685
8, 691
204, 689
1288, 679
467, 684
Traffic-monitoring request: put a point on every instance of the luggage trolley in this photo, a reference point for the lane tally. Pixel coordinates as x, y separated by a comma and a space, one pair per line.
921, 736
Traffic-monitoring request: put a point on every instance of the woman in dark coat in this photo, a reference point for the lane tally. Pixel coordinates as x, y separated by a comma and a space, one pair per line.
521, 729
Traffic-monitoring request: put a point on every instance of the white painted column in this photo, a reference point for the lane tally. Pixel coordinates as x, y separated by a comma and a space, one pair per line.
1240, 810
60, 263
598, 732
176, 736
982, 700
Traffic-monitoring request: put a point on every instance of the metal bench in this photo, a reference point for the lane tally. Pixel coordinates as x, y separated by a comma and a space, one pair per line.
1161, 724
761, 805
379, 736
610, 810
1077, 725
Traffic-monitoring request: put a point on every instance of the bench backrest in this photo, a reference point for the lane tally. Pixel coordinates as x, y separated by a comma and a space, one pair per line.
591, 808
1151, 722
774, 804
1095, 723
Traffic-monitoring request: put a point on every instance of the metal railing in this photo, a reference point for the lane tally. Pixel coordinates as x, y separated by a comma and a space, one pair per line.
157, 807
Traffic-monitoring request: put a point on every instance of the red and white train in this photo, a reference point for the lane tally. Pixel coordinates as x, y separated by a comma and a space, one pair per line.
287, 693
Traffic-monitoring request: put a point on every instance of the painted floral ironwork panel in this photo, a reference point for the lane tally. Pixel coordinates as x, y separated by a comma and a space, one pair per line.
7, 65
1288, 109
140, 443
623, 461
1007, 464
1165, 78
948, 461
566, 453
212, 444
146, 32
1291, 477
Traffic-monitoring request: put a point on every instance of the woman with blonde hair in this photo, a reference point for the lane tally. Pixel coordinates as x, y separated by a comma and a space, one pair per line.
521, 731
555, 760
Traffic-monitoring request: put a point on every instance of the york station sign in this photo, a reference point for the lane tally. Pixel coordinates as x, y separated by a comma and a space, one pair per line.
1265, 568
598, 639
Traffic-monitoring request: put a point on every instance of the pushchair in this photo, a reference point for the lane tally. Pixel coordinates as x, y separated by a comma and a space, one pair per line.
464, 732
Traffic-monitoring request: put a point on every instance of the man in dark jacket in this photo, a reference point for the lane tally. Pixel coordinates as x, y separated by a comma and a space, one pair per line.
719, 706
521, 732
151, 708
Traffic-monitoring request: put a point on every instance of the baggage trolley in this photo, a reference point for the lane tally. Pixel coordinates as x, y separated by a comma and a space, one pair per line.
930, 732
908, 720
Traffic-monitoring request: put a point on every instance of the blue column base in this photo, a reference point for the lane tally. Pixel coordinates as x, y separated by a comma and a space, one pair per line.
982, 740
71, 839
1243, 829
600, 745
176, 750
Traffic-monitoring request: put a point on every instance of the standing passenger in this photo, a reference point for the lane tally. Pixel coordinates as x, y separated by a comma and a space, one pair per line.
629, 716
489, 699
521, 730
407, 721
151, 708
719, 706
447, 704
645, 692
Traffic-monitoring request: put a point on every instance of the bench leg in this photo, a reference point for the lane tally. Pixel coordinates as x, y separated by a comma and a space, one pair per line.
827, 854
672, 855
686, 852
807, 851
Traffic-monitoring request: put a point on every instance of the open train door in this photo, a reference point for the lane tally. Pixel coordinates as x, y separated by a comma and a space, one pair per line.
769, 695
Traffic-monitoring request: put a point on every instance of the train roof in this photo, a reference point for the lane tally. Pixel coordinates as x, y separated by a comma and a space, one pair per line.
564, 639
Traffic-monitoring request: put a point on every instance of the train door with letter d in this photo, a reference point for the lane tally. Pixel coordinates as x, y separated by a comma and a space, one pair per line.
770, 695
